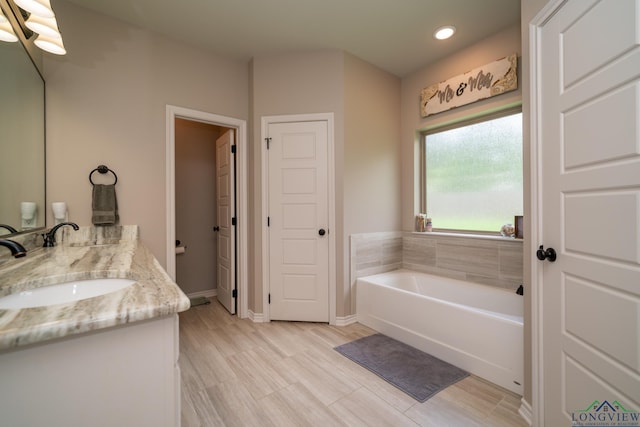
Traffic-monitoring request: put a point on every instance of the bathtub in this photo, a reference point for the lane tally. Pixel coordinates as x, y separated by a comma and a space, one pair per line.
475, 327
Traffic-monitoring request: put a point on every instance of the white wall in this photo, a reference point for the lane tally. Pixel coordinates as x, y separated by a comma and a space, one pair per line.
106, 105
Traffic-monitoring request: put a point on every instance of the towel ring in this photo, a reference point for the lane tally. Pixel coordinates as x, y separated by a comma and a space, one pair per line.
103, 169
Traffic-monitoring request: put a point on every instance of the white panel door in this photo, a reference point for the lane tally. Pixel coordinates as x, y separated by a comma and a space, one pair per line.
298, 219
225, 230
589, 129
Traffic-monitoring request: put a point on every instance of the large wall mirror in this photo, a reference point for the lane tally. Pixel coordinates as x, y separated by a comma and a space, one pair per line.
22, 141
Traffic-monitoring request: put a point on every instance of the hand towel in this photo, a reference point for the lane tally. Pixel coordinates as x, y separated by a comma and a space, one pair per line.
104, 205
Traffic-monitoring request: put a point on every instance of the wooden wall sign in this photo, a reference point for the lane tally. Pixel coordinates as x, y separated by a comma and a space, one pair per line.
493, 79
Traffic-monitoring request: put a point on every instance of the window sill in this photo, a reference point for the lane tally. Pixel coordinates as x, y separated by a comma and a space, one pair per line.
467, 235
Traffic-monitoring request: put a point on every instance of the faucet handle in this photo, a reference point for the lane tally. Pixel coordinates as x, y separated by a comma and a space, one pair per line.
50, 237
48, 241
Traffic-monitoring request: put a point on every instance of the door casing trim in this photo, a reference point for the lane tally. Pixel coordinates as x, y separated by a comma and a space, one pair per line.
265, 122
240, 127
536, 202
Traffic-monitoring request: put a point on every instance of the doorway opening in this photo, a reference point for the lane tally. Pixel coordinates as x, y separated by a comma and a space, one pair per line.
206, 123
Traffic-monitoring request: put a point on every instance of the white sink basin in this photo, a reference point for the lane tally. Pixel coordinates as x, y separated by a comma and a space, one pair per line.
63, 293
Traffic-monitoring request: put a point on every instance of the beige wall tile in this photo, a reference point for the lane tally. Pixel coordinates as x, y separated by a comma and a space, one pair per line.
489, 261
474, 259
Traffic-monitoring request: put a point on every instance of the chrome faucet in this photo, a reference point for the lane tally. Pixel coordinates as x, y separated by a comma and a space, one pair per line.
50, 237
17, 250
8, 227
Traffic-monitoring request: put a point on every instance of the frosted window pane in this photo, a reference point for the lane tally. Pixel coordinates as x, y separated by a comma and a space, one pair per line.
474, 175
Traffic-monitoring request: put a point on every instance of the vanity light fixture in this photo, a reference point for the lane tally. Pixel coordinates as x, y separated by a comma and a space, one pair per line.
445, 32
44, 26
42, 21
6, 31
50, 44
36, 7
49, 37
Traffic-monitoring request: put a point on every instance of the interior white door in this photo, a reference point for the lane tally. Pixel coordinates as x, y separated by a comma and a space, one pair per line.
590, 184
298, 220
225, 229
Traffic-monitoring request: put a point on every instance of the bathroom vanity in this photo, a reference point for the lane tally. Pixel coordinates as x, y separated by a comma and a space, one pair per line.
109, 360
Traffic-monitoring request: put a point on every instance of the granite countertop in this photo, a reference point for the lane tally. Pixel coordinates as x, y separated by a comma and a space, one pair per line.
153, 295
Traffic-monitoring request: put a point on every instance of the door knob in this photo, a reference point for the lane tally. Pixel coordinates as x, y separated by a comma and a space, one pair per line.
321, 232
549, 254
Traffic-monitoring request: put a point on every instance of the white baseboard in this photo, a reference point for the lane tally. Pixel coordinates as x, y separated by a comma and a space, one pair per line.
256, 317
207, 293
525, 411
346, 320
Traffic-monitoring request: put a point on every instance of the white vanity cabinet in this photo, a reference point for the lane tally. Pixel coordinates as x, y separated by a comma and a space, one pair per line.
124, 376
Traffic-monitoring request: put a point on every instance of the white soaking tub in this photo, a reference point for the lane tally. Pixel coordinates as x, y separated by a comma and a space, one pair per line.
475, 327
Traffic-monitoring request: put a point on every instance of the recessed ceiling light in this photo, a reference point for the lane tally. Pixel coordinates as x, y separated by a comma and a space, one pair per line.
444, 32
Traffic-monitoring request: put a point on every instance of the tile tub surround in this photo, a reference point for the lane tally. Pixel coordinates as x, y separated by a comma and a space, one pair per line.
373, 253
153, 295
489, 260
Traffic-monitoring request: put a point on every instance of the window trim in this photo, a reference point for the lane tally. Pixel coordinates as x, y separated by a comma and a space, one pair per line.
507, 110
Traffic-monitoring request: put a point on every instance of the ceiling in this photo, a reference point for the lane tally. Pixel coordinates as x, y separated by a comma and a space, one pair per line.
395, 35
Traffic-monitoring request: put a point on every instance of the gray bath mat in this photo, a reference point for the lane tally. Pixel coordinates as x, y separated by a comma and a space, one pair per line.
418, 374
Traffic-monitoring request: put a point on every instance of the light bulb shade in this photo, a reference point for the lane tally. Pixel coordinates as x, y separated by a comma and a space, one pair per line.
7, 34
50, 44
36, 7
45, 26
6, 31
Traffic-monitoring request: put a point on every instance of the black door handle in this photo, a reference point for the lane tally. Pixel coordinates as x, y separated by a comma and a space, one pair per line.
321, 232
216, 228
549, 254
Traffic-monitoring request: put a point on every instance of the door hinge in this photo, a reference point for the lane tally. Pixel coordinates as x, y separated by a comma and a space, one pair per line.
233, 149
268, 221
234, 293
268, 142
233, 221
269, 299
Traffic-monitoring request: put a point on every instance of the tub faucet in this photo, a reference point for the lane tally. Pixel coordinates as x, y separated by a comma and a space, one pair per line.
8, 227
17, 250
50, 237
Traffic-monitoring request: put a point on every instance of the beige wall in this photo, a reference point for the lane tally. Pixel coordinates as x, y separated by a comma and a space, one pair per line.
298, 83
371, 176
195, 154
485, 51
106, 104
365, 103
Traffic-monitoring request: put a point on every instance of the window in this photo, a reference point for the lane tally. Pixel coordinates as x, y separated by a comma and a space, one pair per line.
472, 174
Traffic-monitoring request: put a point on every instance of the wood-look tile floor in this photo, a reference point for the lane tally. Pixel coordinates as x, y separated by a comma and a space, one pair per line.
239, 373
